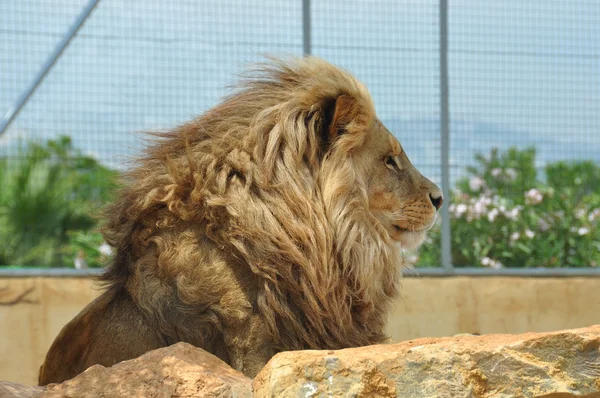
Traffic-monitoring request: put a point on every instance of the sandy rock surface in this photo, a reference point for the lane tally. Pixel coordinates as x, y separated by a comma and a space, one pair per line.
180, 370
15, 390
550, 365
558, 364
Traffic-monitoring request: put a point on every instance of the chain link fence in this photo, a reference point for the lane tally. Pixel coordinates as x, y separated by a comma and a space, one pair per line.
514, 139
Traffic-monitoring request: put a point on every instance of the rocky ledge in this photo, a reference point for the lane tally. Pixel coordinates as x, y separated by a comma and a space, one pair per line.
557, 364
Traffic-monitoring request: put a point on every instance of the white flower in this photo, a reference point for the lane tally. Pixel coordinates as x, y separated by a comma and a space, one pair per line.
476, 183
493, 214
583, 231
479, 209
491, 263
496, 172
533, 196
594, 215
513, 214
486, 200
511, 173
543, 225
515, 236
580, 213
461, 209
529, 233
105, 249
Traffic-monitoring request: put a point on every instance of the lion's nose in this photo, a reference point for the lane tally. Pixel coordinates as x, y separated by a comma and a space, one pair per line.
436, 200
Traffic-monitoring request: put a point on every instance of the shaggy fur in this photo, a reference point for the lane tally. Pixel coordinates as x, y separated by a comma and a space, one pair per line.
272, 222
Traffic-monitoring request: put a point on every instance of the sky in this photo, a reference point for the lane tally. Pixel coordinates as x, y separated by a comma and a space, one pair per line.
521, 72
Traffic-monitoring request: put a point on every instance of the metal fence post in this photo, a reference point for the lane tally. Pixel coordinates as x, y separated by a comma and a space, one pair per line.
306, 44
14, 110
445, 137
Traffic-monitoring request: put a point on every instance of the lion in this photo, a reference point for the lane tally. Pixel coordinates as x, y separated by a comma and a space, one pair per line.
275, 221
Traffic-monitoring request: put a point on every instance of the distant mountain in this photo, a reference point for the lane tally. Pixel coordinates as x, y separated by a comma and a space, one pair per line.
421, 140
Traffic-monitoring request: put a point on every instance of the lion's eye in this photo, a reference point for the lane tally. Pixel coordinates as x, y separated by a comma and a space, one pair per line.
391, 163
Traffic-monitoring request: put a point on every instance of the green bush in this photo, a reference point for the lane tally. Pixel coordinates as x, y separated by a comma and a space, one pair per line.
505, 215
49, 195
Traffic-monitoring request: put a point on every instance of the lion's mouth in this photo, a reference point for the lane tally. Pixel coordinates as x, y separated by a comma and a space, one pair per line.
408, 230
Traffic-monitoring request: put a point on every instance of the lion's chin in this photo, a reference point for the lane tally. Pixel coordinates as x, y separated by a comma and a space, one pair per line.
409, 240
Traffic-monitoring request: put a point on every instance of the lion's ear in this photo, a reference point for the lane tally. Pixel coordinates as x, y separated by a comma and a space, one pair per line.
347, 118
345, 111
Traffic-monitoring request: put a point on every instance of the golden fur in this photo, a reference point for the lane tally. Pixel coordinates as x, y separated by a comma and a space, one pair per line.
272, 222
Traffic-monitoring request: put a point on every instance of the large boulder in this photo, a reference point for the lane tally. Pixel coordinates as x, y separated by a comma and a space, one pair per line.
559, 364
180, 370
551, 365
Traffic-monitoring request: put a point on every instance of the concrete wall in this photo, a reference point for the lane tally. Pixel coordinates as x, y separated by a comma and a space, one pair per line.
427, 307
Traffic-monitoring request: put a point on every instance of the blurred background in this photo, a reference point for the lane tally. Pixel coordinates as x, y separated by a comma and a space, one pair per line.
504, 96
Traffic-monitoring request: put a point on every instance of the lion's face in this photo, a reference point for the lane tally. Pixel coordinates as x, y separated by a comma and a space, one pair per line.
400, 197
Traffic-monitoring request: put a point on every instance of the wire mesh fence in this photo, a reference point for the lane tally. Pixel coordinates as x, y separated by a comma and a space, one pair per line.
524, 101
524, 75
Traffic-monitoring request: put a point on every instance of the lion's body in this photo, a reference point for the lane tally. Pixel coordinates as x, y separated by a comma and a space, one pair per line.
247, 232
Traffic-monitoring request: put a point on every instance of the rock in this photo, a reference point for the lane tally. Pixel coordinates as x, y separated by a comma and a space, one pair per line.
550, 365
15, 390
180, 370
558, 364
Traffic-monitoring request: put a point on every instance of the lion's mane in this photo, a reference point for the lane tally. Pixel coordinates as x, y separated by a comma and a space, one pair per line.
258, 179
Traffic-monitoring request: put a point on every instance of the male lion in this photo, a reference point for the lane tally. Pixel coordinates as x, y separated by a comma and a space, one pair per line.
272, 222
